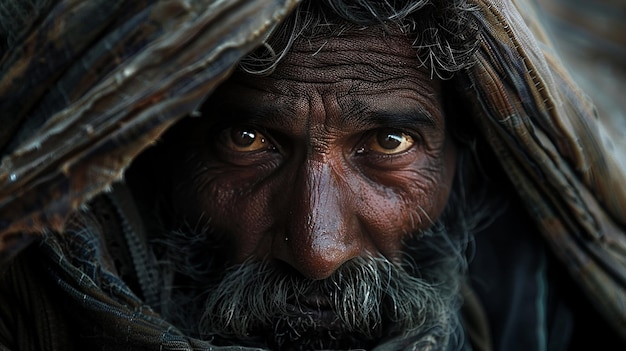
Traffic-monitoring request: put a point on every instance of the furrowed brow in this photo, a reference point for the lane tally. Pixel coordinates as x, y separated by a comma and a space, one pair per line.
396, 119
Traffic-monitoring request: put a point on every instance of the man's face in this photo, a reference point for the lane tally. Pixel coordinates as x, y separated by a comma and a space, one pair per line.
341, 154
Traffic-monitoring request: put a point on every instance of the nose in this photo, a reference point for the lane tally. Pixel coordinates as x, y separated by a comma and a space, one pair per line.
319, 233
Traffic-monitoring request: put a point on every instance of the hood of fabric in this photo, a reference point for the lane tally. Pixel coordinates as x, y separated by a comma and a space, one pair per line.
557, 150
80, 99
94, 83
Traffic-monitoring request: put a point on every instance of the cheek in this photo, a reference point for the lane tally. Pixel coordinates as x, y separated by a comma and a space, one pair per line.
401, 203
231, 201
243, 204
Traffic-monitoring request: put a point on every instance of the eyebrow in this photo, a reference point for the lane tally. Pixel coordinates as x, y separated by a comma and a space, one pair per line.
261, 114
398, 119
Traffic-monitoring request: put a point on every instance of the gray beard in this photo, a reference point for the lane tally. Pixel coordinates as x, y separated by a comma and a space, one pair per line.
369, 303
368, 300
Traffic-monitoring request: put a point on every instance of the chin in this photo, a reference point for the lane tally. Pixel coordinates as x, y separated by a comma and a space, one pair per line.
306, 328
310, 340
316, 329
434, 339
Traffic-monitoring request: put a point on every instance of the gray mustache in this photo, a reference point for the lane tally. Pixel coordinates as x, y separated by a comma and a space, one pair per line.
369, 297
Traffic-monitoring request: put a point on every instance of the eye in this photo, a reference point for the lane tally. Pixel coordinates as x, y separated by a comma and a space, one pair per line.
244, 139
388, 142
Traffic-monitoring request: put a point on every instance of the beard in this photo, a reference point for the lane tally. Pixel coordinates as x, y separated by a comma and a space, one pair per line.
368, 303
364, 302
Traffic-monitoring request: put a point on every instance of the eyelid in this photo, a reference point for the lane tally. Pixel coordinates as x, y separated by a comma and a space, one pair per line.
362, 146
404, 142
222, 135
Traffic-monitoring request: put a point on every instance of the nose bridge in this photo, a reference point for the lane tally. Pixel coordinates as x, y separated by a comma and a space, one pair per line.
324, 217
318, 234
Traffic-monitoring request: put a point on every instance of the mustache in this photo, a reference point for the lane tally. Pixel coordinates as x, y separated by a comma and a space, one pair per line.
369, 297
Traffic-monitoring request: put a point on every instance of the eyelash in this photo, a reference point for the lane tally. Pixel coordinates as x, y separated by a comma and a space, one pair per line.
276, 146
372, 133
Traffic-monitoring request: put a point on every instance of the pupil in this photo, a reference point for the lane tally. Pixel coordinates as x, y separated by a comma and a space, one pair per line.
243, 137
389, 141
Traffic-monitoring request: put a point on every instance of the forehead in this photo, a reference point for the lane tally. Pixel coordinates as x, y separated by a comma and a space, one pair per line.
339, 77
371, 56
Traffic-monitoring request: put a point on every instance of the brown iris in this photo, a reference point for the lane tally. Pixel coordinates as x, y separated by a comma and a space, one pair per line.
244, 139
389, 141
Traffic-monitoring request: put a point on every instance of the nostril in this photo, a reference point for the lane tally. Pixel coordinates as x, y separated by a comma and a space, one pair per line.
310, 258
322, 268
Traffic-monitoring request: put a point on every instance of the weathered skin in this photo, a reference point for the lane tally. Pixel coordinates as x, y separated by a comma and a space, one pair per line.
314, 188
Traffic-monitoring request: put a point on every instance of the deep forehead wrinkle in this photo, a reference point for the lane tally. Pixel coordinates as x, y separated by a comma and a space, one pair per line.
283, 112
365, 57
349, 81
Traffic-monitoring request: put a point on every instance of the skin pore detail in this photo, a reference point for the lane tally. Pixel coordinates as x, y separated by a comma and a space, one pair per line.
317, 148
310, 170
